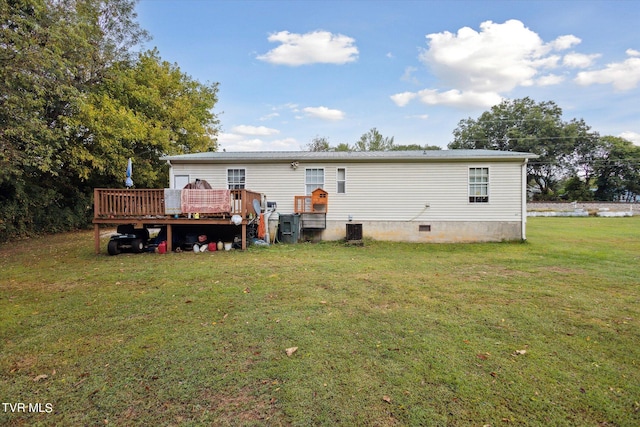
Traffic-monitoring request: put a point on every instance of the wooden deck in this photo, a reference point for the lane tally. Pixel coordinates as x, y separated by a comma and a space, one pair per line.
145, 208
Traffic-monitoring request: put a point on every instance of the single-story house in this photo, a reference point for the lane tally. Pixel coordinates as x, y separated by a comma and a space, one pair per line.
416, 196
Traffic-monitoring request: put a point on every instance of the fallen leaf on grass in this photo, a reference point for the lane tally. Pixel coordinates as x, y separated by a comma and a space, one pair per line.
41, 377
519, 352
482, 356
386, 399
291, 350
246, 290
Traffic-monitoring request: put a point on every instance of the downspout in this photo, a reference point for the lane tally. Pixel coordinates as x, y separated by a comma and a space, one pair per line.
170, 174
523, 214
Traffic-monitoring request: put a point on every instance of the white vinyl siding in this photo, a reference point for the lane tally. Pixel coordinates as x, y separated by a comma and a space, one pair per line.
382, 191
180, 181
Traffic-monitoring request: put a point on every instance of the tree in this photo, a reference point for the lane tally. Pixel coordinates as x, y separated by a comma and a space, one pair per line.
142, 111
618, 171
51, 53
577, 189
373, 141
76, 102
343, 146
414, 147
319, 144
526, 126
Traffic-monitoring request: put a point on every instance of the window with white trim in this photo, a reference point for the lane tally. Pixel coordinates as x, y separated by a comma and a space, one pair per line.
235, 179
341, 181
478, 185
313, 178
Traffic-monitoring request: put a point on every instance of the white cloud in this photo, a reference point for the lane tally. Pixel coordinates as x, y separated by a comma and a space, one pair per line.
461, 99
255, 130
290, 144
481, 65
632, 52
408, 75
549, 80
452, 98
324, 113
228, 138
565, 42
402, 99
622, 75
631, 136
310, 48
498, 58
579, 60
419, 116
235, 142
269, 116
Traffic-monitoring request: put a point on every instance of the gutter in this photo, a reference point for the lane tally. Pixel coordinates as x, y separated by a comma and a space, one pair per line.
170, 174
523, 187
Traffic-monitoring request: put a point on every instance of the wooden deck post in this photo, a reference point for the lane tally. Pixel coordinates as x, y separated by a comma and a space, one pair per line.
96, 238
244, 235
169, 238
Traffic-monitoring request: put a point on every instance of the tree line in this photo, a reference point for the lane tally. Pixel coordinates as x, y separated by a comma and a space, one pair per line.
77, 101
574, 163
372, 140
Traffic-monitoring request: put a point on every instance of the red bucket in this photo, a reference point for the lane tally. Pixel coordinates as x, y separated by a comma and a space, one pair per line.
212, 247
162, 248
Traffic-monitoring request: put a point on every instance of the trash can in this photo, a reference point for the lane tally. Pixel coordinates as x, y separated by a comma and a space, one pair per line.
289, 228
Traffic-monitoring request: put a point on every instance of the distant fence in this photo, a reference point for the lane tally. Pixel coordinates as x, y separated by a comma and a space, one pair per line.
592, 208
587, 206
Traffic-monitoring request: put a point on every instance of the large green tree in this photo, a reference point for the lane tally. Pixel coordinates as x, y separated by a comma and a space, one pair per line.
143, 111
76, 101
51, 53
536, 127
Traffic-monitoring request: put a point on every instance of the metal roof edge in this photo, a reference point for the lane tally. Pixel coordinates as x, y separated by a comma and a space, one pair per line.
342, 156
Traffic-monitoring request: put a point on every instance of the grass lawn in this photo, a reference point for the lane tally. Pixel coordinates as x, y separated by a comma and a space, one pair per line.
538, 333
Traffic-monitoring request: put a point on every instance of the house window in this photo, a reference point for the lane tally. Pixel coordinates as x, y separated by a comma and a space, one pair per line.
235, 179
478, 185
341, 181
313, 178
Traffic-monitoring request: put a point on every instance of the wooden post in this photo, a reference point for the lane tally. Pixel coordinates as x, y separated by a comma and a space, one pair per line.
169, 238
244, 235
96, 238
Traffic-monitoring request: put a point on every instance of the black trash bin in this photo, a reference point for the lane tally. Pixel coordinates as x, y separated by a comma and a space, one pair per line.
289, 228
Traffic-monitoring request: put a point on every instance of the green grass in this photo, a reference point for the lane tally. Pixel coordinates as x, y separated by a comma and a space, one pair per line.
387, 334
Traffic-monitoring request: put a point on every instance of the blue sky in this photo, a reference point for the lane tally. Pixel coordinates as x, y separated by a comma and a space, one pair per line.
291, 71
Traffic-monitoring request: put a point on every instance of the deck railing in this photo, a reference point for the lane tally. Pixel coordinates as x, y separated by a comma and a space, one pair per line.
125, 203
